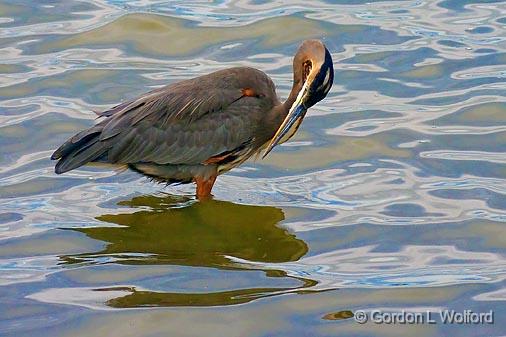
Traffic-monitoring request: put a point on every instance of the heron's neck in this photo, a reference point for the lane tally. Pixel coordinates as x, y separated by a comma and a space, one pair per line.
297, 86
279, 112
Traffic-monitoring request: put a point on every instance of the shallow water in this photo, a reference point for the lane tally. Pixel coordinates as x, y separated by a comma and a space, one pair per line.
391, 196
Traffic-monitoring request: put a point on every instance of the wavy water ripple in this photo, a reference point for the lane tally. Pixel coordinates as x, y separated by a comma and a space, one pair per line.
413, 266
396, 180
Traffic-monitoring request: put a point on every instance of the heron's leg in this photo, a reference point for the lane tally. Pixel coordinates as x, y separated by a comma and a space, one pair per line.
204, 187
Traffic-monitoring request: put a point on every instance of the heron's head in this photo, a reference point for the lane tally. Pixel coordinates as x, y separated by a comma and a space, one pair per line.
313, 75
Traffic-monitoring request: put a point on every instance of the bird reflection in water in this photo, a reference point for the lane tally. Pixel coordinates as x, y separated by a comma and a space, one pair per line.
173, 231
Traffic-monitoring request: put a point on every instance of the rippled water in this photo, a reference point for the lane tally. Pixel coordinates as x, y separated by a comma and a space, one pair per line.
392, 195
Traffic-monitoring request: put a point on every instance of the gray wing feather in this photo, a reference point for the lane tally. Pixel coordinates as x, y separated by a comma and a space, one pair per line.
176, 144
185, 123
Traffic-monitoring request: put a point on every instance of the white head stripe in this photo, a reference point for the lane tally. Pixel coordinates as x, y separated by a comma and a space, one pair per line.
325, 80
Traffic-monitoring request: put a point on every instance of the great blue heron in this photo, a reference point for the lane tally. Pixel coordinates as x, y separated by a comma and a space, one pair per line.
197, 129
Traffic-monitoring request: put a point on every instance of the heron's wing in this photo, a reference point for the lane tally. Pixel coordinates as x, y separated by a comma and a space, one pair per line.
130, 105
193, 130
183, 124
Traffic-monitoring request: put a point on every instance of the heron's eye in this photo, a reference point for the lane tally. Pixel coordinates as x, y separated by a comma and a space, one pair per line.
306, 69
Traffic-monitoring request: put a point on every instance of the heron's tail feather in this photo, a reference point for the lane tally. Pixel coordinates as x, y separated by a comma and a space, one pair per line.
82, 148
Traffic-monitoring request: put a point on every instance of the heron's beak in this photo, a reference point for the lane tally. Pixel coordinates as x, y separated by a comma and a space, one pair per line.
291, 122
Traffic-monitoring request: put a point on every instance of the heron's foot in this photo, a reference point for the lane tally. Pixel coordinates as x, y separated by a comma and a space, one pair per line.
204, 187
